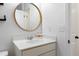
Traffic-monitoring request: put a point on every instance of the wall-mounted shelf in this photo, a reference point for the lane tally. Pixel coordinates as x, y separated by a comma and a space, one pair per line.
3, 19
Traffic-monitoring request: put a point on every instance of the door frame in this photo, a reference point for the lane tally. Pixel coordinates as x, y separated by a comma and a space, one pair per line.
68, 28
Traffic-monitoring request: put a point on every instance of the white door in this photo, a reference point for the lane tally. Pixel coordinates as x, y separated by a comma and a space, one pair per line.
74, 29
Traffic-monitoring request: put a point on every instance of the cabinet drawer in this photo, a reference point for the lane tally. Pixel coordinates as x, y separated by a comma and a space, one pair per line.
39, 50
51, 53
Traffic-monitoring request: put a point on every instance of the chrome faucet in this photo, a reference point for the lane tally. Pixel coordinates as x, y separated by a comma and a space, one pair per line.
30, 38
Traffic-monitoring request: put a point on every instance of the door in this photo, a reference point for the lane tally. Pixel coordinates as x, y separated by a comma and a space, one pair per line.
74, 29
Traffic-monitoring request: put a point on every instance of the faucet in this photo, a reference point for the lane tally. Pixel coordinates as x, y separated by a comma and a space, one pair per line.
29, 37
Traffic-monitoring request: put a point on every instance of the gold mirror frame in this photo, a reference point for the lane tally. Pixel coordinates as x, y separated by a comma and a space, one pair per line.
38, 24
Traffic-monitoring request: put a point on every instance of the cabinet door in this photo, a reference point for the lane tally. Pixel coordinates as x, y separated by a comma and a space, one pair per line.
39, 50
51, 53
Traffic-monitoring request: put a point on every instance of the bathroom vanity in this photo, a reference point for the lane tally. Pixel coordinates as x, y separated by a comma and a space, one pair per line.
35, 47
29, 18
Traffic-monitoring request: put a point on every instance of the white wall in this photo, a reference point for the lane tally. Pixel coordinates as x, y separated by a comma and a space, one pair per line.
8, 28
54, 24
53, 18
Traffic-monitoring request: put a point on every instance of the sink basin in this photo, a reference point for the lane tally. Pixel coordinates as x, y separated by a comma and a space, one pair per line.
25, 43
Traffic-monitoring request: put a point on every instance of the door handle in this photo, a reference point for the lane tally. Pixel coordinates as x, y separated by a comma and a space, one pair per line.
68, 41
76, 37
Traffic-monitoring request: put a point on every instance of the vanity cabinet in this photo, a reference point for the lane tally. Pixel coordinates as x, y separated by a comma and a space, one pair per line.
35, 48
42, 50
48, 49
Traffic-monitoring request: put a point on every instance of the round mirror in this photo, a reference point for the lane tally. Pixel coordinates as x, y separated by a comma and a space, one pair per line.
28, 16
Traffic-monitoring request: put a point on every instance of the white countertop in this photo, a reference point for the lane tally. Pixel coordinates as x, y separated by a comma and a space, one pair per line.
25, 44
